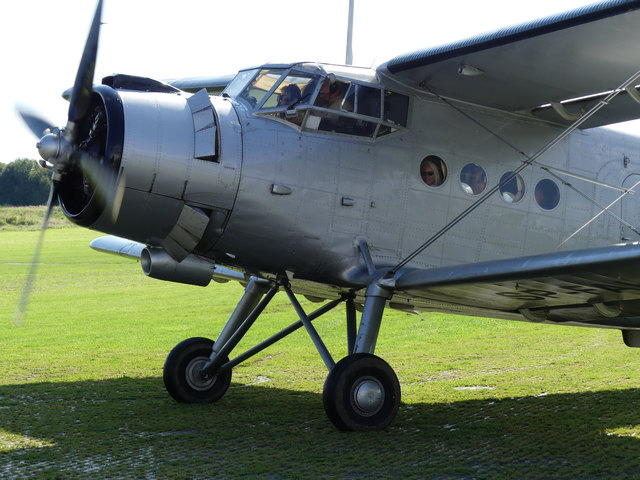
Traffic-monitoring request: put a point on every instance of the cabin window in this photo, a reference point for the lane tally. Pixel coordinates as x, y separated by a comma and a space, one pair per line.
473, 179
547, 194
511, 191
433, 171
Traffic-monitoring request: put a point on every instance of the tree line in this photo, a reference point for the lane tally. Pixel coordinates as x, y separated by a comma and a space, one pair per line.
24, 182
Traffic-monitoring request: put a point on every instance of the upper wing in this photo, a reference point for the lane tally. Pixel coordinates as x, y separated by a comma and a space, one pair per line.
593, 286
584, 52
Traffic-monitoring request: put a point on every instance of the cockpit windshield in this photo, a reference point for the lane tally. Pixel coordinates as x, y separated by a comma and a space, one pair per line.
262, 84
312, 100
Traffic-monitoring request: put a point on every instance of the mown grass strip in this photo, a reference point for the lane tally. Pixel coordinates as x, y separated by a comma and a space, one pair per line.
81, 393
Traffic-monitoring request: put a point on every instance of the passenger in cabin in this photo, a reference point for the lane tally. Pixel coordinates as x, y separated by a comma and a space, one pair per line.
513, 190
473, 179
547, 194
430, 173
479, 181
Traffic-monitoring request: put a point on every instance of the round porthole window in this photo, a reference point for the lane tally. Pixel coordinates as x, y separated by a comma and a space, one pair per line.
547, 194
433, 171
513, 190
473, 179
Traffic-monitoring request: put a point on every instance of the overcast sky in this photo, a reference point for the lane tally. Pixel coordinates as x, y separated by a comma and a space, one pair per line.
42, 41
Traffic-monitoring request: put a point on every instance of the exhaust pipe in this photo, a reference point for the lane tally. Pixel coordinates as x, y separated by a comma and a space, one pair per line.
157, 263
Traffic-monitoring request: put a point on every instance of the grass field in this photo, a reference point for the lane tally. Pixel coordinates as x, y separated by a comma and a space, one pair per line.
81, 393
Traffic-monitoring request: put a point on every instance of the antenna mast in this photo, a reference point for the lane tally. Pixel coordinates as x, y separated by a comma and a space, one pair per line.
349, 57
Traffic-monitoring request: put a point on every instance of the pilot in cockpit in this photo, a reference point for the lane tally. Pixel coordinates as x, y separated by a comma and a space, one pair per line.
331, 93
289, 95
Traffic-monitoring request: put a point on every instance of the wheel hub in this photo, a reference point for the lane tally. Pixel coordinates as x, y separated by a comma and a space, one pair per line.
195, 379
367, 396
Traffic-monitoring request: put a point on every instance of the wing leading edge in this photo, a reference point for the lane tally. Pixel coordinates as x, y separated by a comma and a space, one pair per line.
528, 67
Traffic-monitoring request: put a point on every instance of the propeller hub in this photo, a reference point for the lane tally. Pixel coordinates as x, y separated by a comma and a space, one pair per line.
51, 146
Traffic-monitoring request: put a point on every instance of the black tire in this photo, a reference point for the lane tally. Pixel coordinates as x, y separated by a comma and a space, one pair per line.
361, 393
181, 373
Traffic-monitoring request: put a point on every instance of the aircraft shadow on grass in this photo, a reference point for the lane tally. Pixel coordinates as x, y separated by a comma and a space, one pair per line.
120, 420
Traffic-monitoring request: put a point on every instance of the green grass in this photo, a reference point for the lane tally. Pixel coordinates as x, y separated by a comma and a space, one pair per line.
81, 393
30, 218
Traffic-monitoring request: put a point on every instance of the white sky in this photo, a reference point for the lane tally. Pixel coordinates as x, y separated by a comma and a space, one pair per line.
42, 41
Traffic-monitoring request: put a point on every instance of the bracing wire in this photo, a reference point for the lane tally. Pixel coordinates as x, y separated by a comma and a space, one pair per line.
604, 210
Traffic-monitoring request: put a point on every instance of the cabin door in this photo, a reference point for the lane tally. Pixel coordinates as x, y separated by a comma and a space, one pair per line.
630, 211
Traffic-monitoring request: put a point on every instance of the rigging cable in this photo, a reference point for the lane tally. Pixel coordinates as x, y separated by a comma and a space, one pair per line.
625, 191
529, 160
603, 210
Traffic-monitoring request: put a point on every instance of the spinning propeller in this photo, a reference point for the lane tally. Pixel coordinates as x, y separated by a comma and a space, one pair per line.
67, 150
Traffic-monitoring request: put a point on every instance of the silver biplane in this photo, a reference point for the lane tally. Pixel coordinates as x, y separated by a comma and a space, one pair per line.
470, 178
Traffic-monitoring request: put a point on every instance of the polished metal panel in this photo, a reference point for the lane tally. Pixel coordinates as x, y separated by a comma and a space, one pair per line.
215, 184
158, 143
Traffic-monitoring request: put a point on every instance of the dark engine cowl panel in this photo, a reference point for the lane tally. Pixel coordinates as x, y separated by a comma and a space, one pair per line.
102, 136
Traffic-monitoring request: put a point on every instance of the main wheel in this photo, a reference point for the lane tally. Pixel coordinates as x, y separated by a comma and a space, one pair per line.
361, 393
182, 377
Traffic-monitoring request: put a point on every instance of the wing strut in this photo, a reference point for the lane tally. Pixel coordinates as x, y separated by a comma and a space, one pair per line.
529, 160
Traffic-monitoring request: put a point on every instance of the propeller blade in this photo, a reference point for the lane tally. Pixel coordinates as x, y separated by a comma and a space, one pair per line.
83, 86
36, 124
23, 303
104, 180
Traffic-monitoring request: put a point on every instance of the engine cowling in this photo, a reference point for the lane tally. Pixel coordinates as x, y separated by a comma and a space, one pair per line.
177, 158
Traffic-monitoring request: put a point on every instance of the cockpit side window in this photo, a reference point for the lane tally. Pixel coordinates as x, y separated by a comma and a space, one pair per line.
331, 94
297, 88
312, 101
359, 109
363, 100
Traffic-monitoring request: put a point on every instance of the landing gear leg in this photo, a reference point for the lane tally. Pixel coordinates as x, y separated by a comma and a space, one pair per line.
362, 391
